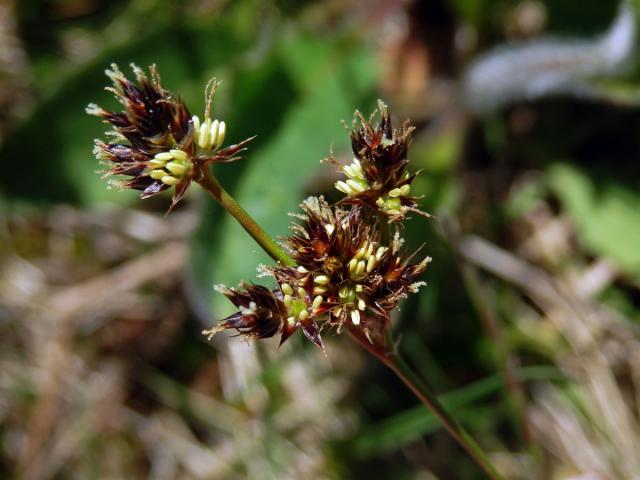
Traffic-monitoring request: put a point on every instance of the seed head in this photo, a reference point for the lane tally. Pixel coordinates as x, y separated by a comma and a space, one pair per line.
378, 176
352, 275
154, 139
263, 313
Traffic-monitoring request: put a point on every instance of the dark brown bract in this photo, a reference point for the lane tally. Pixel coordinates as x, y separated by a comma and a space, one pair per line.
261, 314
264, 313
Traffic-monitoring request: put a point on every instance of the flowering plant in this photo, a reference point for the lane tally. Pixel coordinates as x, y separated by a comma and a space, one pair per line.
343, 266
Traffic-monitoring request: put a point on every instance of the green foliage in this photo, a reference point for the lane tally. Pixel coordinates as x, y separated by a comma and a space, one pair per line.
465, 403
605, 213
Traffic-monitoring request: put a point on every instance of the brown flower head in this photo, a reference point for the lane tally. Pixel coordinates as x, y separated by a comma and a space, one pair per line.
154, 139
264, 313
378, 176
345, 268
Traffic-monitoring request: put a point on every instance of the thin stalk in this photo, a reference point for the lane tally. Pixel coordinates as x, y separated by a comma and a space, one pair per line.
426, 395
212, 186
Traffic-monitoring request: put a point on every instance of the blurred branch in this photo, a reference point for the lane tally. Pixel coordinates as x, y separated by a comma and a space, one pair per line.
548, 66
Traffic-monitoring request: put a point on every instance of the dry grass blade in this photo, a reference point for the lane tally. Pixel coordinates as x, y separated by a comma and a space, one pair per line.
612, 446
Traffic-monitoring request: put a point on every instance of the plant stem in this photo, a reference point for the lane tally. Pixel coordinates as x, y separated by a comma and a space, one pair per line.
426, 395
212, 186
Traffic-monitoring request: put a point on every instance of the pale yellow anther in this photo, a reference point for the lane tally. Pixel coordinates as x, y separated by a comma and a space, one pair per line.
286, 289
213, 133
316, 302
155, 163
355, 170
303, 315
319, 290
362, 250
359, 288
348, 170
362, 266
205, 131
169, 180
371, 263
343, 187
291, 321
369, 250
343, 292
322, 280
405, 190
176, 168
166, 156
356, 186
222, 133
380, 252
353, 264
329, 228
196, 125
301, 292
287, 299
355, 317
361, 304
301, 269
396, 192
179, 155
380, 202
157, 174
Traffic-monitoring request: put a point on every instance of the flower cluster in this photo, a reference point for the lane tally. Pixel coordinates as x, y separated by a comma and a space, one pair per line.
349, 271
154, 139
378, 176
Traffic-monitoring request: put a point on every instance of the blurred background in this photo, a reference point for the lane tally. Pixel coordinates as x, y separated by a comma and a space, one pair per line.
528, 135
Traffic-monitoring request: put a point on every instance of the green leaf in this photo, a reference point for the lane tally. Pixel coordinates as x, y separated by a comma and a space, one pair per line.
605, 214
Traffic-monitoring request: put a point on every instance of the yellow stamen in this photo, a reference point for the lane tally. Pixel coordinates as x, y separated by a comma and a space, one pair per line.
316, 302
169, 180
222, 132
157, 174
176, 168
179, 155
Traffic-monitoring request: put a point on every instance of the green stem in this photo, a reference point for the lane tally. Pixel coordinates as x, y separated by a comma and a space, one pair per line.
426, 395
212, 186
